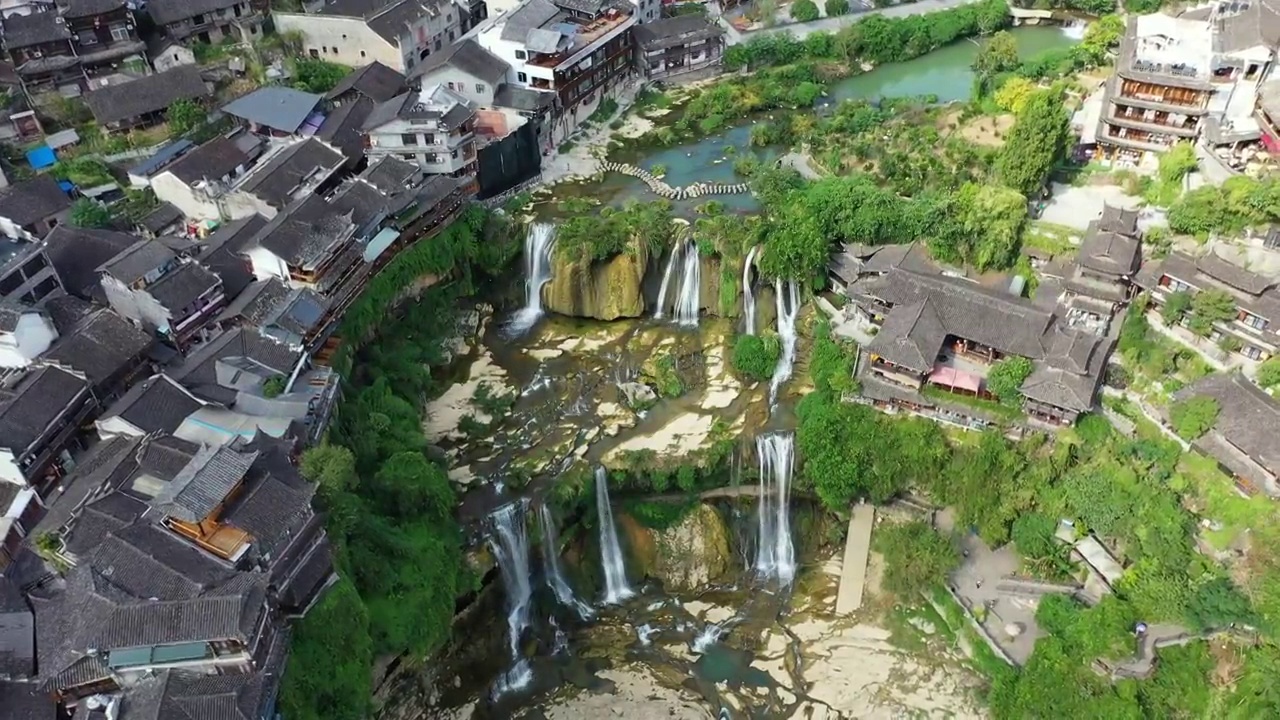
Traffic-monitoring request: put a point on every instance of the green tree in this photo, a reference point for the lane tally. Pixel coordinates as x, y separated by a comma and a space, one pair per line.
184, 116
327, 677
1006, 377
1209, 307
917, 558
998, 54
836, 8
804, 11
1175, 306
317, 76
1193, 416
1013, 94
1032, 534
1177, 162
273, 386
86, 213
1035, 144
755, 356
1269, 372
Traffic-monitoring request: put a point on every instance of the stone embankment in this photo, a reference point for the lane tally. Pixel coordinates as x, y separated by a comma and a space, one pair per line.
674, 193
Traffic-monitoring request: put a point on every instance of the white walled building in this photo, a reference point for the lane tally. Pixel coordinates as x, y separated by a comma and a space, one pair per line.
434, 128
25, 333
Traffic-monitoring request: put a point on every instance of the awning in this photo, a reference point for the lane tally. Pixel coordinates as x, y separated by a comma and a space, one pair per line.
954, 378
380, 243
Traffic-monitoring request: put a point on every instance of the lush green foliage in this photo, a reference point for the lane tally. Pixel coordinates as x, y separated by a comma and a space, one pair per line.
83, 172
1175, 306
273, 386
86, 213
184, 116
831, 363
1037, 142
837, 7
1209, 307
658, 515
1177, 162
804, 11
330, 654
1006, 378
1269, 372
1101, 35
915, 556
599, 236
754, 356
1239, 203
1194, 416
999, 54
317, 76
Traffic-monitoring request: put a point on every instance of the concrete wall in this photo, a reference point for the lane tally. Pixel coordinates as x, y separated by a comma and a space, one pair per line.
137, 305
465, 84
267, 264
168, 188
172, 57
33, 335
355, 43
450, 151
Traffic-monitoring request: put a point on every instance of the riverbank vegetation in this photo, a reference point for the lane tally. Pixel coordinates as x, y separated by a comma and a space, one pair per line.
389, 508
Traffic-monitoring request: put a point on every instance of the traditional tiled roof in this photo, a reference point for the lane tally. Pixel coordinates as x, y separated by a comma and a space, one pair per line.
165, 12
678, 30
17, 633
467, 56
217, 158
160, 218
101, 346
76, 254
279, 178
220, 253
342, 127
157, 404
1109, 253
391, 174
374, 81
136, 261
305, 232
199, 371
105, 462
31, 201
147, 94
1116, 219
36, 28
1248, 418
182, 287
39, 400
203, 485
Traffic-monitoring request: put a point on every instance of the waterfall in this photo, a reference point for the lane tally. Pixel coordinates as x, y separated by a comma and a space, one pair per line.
749, 297
775, 555
551, 565
1074, 29
688, 299
788, 308
510, 545
616, 588
708, 637
537, 272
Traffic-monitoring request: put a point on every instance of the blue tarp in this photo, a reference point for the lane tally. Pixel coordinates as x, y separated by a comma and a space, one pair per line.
380, 243
41, 157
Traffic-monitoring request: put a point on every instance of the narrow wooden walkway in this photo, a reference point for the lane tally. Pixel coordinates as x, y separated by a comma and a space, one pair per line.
853, 571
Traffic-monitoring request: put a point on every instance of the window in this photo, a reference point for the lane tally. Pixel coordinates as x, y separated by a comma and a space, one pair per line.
1251, 352
450, 85
431, 158
1253, 321
408, 139
119, 33
453, 154
361, 53
197, 20
410, 157
451, 36
335, 51
480, 88
314, 53
521, 77
429, 140
439, 43
344, 37
521, 55
88, 39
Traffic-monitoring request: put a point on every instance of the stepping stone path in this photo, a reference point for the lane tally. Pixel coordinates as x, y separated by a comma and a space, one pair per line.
674, 193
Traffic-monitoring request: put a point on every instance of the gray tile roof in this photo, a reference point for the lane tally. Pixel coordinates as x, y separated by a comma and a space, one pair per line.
221, 253
277, 107
302, 234
88, 8
10, 314
528, 16
911, 337
76, 254
165, 456
181, 287
165, 12
17, 632
147, 561
342, 127
1116, 219
161, 218
216, 158
374, 81
467, 56
1069, 376
278, 178
199, 370
101, 346
1109, 252
106, 462
26, 701
157, 404
391, 174
272, 511
191, 696
136, 261
36, 28
31, 201
678, 30
203, 485
1237, 277
100, 518
1248, 418
524, 99
1257, 25
395, 19
257, 302
40, 399
145, 95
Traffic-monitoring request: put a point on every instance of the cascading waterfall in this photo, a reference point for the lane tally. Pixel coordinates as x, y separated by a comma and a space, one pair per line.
688, 299
616, 588
551, 565
749, 297
537, 269
510, 544
1074, 29
775, 554
708, 637
788, 308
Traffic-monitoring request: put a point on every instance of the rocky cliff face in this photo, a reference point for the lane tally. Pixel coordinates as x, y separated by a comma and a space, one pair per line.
686, 556
605, 290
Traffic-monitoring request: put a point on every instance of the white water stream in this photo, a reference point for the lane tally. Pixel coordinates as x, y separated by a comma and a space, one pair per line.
748, 296
537, 272
775, 553
551, 565
788, 307
616, 588
510, 545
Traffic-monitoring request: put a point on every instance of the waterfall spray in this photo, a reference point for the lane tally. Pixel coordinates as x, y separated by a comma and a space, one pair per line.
788, 308
616, 588
510, 545
551, 565
660, 310
537, 268
775, 554
748, 296
688, 300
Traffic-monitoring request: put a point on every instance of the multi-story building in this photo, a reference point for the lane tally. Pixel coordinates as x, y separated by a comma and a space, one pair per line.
31, 208
25, 333
26, 273
40, 419
209, 21
581, 51
685, 46
1176, 78
172, 297
1256, 327
64, 48
398, 34
434, 128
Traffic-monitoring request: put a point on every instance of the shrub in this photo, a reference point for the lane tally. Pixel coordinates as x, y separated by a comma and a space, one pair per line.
184, 116
804, 11
273, 386
837, 7
1193, 417
1006, 378
1269, 372
916, 557
86, 213
755, 357
317, 76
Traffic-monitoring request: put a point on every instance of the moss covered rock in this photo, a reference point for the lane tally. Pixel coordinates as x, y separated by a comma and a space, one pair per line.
686, 556
604, 290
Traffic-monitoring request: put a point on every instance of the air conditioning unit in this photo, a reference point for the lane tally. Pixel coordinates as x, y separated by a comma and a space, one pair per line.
60, 20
